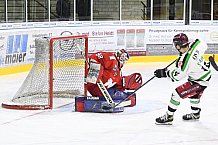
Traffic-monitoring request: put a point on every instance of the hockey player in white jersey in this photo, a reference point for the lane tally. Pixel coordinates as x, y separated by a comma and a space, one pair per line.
190, 64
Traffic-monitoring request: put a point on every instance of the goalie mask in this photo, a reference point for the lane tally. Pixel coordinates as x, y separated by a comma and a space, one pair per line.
181, 40
122, 56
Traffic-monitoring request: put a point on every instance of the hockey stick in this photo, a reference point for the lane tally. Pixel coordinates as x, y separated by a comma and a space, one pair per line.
105, 93
108, 107
213, 63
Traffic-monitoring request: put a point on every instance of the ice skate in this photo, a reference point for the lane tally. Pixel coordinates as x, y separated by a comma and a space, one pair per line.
164, 120
191, 116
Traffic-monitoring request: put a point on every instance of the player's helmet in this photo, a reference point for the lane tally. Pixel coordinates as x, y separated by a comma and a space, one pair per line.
122, 56
181, 40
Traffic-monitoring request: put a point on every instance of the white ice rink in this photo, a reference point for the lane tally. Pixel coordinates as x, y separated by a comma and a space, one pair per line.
134, 126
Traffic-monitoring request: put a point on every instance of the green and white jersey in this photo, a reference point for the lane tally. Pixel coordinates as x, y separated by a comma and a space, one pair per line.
191, 64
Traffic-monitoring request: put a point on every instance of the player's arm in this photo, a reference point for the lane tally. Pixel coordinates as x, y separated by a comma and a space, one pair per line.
175, 73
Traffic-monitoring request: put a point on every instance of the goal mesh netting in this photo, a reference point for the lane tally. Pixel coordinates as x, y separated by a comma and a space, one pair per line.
58, 72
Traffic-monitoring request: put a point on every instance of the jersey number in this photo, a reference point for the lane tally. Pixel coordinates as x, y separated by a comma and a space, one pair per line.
99, 55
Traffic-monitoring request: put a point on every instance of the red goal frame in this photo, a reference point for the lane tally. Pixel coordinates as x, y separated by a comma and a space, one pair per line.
51, 57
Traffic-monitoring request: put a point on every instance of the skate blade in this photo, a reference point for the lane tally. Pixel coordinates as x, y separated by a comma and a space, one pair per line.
167, 123
191, 120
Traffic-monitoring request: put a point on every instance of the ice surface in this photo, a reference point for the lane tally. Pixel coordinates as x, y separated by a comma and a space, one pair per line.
134, 126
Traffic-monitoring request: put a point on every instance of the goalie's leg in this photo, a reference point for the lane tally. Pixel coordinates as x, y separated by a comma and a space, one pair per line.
94, 104
93, 89
116, 94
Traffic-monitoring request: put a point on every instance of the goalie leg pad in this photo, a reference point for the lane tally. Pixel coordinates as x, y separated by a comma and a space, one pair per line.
133, 101
94, 104
120, 95
79, 104
132, 98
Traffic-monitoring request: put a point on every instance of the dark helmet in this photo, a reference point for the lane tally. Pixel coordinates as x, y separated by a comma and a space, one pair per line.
181, 40
122, 55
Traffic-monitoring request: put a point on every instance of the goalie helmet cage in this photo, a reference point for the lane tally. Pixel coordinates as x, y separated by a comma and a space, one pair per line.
58, 71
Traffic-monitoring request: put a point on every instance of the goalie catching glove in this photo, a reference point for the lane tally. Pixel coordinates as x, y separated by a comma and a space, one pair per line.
132, 82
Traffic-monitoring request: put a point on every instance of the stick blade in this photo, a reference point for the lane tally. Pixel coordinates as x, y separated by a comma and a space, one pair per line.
213, 63
211, 58
112, 109
107, 107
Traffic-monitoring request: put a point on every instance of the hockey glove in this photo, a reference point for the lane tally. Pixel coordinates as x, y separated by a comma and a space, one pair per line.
95, 73
132, 82
160, 73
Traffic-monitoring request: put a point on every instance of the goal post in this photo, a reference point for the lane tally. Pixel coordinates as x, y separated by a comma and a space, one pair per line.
58, 72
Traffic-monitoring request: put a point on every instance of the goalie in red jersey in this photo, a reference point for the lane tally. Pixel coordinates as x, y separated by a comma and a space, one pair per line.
105, 71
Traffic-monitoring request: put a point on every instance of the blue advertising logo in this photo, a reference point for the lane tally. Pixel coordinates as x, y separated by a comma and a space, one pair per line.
16, 48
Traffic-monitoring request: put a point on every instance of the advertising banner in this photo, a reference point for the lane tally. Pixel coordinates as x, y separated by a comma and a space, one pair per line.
17, 46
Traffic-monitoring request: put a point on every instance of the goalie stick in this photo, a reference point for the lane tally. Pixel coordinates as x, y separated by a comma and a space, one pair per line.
105, 93
213, 63
108, 107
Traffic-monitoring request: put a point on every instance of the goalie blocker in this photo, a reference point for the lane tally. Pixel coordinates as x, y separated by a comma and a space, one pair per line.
95, 104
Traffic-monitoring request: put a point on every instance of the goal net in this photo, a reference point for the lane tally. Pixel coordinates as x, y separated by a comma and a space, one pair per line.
58, 72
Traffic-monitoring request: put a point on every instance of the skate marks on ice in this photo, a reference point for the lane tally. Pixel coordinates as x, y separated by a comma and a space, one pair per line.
143, 106
24, 114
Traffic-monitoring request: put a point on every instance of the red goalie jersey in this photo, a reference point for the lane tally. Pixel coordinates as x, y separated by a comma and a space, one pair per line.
110, 73
106, 66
